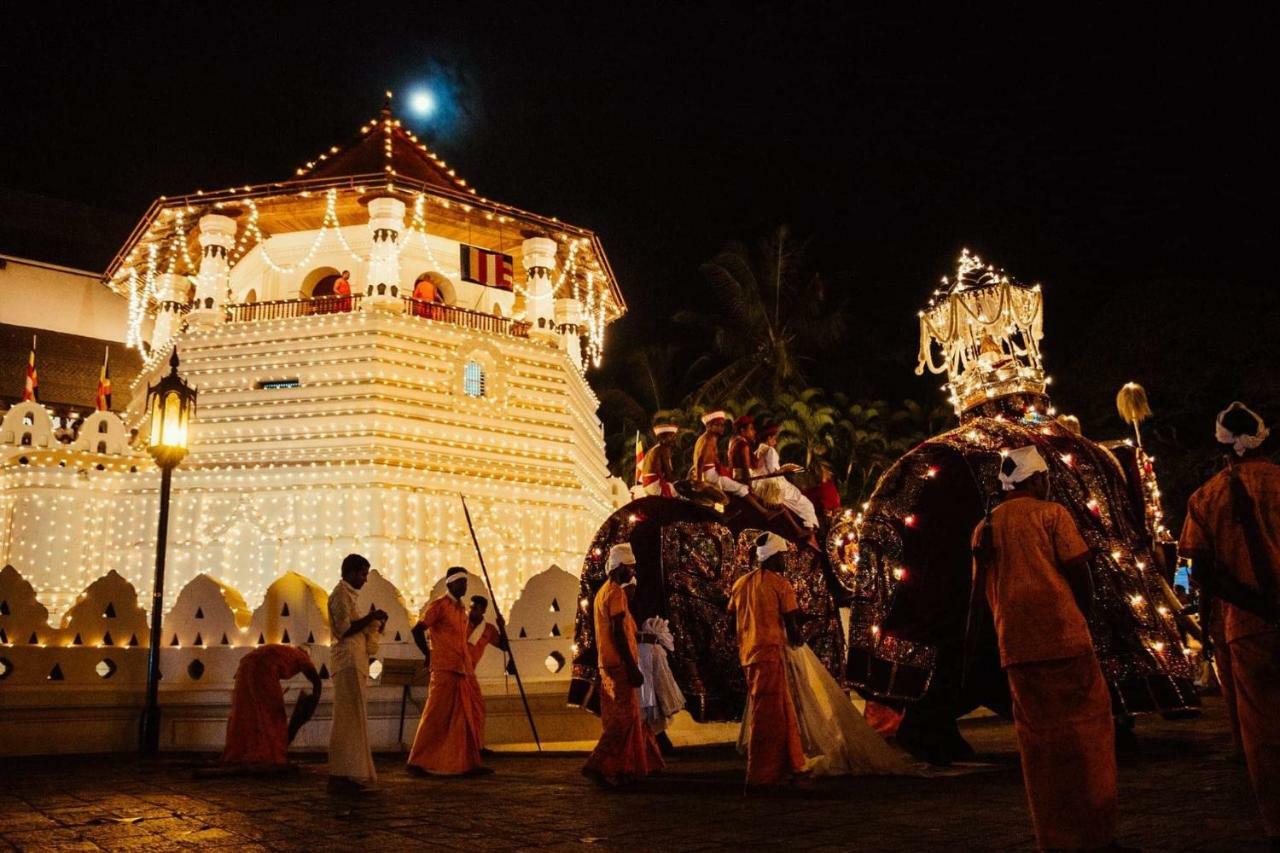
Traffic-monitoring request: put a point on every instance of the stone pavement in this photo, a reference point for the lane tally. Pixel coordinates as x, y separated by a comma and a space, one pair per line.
1178, 793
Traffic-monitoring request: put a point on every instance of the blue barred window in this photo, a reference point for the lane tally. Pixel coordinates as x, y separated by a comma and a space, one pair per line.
473, 379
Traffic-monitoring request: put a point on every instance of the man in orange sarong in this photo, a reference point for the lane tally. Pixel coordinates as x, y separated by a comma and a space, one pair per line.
342, 290
425, 296
451, 732
1031, 568
258, 732
489, 635
763, 604
627, 749
1232, 536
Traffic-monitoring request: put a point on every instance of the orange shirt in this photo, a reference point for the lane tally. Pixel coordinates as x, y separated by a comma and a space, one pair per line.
258, 728
611, 601
1211, 531
488, 634
758, 600
1036, 616
425, 291
447, 627
342, 287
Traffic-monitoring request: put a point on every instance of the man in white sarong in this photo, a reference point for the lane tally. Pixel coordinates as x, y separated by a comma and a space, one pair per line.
706, 457
354, 641
768, 462
660, 697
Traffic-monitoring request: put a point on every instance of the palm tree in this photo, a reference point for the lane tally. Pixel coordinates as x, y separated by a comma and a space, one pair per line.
773, 316
807, 422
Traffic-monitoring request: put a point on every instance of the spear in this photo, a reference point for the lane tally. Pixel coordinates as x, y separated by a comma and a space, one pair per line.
502, 623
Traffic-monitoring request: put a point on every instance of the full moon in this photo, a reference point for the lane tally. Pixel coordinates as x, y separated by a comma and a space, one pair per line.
422, 102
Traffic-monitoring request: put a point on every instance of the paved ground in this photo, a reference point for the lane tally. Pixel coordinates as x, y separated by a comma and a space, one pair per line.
1178, 793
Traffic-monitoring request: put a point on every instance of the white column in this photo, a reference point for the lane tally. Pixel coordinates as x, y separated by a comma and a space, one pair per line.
539, 309
217, 235
386, 221
171, 293
569, 326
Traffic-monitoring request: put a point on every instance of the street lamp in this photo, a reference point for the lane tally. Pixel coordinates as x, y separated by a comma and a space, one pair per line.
171, 404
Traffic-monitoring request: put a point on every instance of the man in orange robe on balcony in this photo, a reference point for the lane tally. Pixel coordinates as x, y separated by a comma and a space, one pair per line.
342, 290
451, 731
258, 731
627, 750
765, 618
1232, 536
1031, 567
425, 296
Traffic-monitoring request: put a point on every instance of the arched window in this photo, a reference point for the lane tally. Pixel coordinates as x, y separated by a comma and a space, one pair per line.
102, 426
252, 296
319, 282
473, 379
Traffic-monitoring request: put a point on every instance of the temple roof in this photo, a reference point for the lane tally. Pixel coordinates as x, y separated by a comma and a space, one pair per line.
385, 148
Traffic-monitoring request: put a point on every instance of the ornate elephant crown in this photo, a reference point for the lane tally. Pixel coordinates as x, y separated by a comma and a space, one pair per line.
983, 329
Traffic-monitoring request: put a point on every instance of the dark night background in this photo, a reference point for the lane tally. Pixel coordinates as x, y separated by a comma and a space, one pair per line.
1124, 160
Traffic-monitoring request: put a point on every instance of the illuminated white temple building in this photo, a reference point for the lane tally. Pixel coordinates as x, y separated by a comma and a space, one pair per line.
329, 420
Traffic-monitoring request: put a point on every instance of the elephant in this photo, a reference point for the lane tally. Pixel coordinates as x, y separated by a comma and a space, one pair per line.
910, 559
687, 557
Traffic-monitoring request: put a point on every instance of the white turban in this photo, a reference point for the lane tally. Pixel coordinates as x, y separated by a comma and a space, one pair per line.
1241, 443
713, 416
1020, 464
768, 544
621, 554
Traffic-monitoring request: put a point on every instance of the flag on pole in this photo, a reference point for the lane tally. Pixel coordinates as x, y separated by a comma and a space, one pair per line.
493, 269
33, 381
639, 458
104, 383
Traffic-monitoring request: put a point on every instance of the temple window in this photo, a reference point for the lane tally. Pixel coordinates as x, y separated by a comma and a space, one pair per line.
102, 426
473, 379
319, 282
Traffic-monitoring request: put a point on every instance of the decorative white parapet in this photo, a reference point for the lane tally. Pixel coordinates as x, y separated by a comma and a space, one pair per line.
386, 222
569, 325
539, 262
217, 235
171, 294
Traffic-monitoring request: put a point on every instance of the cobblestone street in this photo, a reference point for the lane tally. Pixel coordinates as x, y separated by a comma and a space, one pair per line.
1179, 792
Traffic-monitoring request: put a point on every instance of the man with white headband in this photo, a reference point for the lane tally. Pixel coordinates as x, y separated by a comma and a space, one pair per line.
451, 731
658, 468
765, 617
706, 457
627, 750
1031, 567
1232, 538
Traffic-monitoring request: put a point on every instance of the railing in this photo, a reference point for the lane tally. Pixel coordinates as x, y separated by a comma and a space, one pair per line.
477, 320
284, 309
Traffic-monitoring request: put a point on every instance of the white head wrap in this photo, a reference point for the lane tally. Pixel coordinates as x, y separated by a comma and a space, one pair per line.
713, 416
768, 544
1020, 464
454, 572
1241, 443
621, 554
663, 429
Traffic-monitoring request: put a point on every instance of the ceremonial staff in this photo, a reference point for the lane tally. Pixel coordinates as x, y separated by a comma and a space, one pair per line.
502, 624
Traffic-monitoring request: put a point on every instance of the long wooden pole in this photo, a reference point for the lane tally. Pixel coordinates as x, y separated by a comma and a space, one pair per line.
502, 624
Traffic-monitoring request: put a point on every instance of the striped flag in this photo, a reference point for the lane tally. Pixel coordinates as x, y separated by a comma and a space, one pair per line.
482, 266
639, 458
104, 383
33, 381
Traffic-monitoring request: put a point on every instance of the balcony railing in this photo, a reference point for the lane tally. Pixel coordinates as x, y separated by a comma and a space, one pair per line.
284, 309
456, 316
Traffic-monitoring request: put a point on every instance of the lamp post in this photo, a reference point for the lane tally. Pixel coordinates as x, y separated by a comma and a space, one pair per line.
171, 404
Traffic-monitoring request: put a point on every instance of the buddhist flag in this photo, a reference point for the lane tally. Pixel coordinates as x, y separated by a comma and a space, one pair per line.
492, 269
104, 383
33, 381
639, 457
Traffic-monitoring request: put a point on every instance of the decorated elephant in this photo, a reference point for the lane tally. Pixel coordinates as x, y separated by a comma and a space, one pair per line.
687, 558
909, 553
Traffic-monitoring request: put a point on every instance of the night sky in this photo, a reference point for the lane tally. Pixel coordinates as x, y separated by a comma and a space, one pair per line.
1127, 164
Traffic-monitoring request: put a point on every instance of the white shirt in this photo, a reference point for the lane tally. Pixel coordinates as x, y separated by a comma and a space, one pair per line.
353, 650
